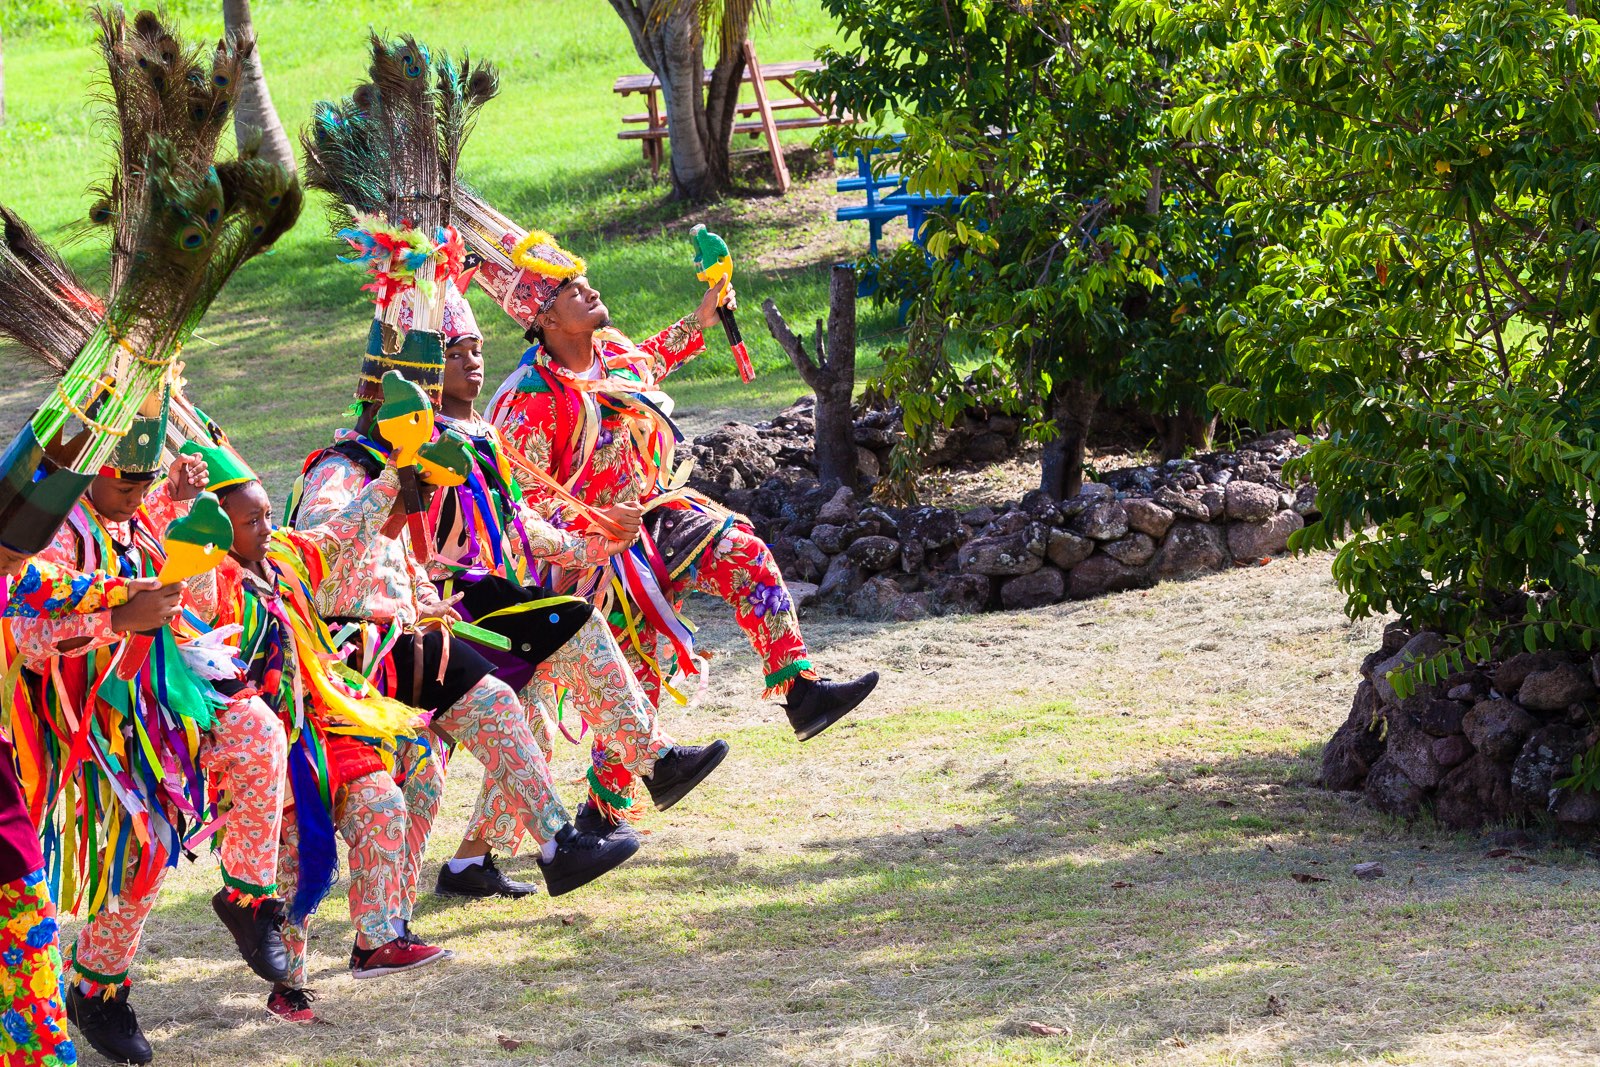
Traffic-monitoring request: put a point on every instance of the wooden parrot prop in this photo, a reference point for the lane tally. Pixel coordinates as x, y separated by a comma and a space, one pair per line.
405, 419
714, 263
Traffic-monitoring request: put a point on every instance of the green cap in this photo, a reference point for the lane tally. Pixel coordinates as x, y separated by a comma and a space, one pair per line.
138, 453
224, 468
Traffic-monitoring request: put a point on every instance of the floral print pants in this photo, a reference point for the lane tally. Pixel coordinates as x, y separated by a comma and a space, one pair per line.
33, 1028
420, 773
598, 682
491, 724
372, 818
245, 755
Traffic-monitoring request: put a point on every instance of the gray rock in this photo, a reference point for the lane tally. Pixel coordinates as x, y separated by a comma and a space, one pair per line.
1497, 728
1477, 791
867, 464
1434, 716
1412, 750
1545, 759
1554, 689
1305, 501
963, 594
1135, 549
1106, 520
1355, 746
913, 606
1044, 586
1250, 541
1099, 575
876, 599
811, 562
874, 553
1419, 648
1249, 502
855, 531
1579, 809
1213, 498
998, 556
1067, 550
1009, 523
936, 528
1041, 507
1190, 548
804, 594
912, 556
888, 525
981, 515
1390, 791
1452, 750
1182, 505
828, 537
840, 509
1510, 675
1148, 517
987, 448
842, 579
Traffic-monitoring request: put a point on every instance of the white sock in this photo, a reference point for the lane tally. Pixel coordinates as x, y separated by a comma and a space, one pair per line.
547, 851
457, 866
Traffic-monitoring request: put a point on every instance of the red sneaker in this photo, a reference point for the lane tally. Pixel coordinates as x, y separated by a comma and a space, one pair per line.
401, 954
292, 1004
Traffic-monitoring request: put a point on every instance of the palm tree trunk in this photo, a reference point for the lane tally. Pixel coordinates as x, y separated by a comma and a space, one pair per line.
254, 114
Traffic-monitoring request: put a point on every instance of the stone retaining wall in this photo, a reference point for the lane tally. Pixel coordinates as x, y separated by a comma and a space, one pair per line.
1133, 528
1487, 745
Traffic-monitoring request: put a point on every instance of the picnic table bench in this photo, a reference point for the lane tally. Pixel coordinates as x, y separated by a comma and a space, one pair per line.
760, 116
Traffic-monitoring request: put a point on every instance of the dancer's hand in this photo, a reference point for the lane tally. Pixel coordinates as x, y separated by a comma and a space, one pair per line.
186, 477
628, 518
442, 611
150, 606
706, 313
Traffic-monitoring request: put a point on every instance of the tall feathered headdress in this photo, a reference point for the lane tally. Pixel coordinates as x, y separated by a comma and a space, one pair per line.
387, 155
180, 222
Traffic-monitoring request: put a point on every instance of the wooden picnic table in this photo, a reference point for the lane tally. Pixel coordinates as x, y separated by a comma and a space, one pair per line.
764, 123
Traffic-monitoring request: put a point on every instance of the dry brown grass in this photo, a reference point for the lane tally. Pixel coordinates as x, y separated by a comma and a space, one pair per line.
1085, 817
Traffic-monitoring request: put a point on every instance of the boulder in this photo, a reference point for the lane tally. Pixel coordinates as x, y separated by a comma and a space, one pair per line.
981, 515
1041, 507
1476, 792
963, 594
840, 509
1044, 586
828, 537
867, 464
1248, 540
1510, 675
1355, 747
876, 599
1148, 517
1106, 520
1009, 523
1418, 648
913, 606
1412, 750
1451, 751
803, 594
1497, 728
1190, 548
1135, 549
1579, 810
1545, 759
1305, 501
987, 448
888, 525
1000, 556
1390, 791
1214, 498
1436, 716
935, 528
842, 578
1554, 689
874, 553
855, 531
1182, 505
811, 563
912, 556
1100, 574
1067, 550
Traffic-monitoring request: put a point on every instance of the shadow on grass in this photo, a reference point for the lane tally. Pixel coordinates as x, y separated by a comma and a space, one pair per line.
1131, 913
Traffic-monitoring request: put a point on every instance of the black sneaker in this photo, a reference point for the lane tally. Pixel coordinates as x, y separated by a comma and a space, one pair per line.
110, 1026
813, 706
258, 931
481, 880
589, 820
681, 769
581, 858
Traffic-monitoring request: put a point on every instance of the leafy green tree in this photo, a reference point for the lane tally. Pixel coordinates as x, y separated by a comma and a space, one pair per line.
1090, 248
1428, 292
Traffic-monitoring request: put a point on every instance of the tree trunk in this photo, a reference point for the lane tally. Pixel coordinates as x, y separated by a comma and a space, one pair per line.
831, 376
722, 111
671, 46
1072, 405
1185, 430
253, 112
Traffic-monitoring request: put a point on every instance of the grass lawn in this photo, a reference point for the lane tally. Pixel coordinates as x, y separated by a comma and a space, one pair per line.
279, 354
1062, 837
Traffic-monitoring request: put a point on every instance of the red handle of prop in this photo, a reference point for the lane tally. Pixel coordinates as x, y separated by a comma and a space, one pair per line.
135, 653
